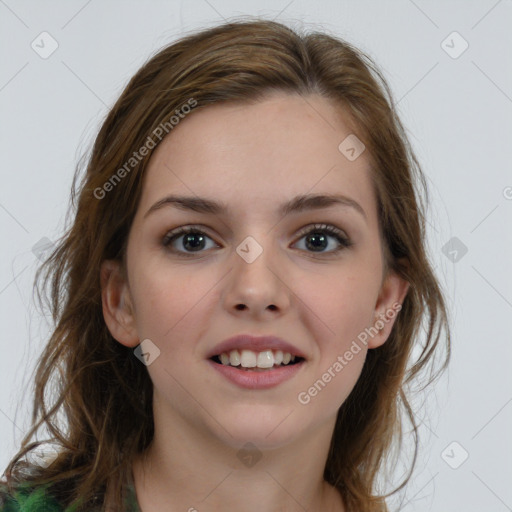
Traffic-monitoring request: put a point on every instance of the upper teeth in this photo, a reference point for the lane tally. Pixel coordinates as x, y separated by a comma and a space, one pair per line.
250, 359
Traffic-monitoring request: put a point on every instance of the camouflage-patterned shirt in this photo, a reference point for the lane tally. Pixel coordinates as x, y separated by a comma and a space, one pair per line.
28, 498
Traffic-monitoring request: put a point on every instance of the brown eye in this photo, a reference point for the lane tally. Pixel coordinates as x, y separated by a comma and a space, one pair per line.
317, 239
192, 240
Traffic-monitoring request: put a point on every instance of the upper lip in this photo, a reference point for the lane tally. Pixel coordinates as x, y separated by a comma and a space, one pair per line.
254, 343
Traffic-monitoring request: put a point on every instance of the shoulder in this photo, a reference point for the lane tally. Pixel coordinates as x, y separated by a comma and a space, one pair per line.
27, 498
30, 497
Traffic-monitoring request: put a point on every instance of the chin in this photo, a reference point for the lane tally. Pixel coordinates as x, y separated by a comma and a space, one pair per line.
267, 427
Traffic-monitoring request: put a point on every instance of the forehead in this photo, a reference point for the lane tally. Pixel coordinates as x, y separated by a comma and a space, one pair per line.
265, 152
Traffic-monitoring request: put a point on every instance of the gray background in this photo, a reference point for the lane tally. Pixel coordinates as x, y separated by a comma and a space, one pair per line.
458, 112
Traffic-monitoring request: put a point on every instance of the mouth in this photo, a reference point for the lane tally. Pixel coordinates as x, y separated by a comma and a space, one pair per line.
261, 361
256, 362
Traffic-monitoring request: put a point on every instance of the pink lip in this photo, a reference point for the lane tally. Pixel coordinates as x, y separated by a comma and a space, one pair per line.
257, 379
251, 378
254, 343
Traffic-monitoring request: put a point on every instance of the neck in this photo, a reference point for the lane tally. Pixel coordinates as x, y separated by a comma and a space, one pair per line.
194, 471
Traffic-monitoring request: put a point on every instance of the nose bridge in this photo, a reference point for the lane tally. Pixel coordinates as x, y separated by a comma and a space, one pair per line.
255, 281
254, 257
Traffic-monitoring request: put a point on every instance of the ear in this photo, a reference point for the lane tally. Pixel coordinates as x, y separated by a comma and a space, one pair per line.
117, 304
391, 296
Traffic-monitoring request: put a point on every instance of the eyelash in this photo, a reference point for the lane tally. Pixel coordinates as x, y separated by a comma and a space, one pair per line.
331, 230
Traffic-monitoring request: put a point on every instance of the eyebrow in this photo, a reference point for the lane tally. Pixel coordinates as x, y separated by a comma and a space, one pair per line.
300, 203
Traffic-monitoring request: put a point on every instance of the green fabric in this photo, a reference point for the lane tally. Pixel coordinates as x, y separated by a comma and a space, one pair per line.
30, 499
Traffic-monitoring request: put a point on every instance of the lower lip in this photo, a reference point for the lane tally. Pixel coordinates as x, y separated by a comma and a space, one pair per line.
257, 379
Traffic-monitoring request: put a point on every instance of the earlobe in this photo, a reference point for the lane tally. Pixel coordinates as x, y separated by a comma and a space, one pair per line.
117, 305
391, 297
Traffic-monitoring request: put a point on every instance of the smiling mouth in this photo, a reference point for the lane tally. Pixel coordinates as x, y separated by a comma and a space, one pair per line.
248, 360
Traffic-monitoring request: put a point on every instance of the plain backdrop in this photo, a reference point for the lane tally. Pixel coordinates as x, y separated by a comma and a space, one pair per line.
448, 64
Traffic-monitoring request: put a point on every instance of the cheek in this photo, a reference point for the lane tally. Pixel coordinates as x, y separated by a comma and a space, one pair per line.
339, 307
346, 307
335, 380
169, 301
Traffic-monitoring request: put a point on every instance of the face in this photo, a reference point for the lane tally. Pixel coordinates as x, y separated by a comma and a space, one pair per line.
313, 276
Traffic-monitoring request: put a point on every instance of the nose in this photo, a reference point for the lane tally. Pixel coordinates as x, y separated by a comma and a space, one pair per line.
259, 287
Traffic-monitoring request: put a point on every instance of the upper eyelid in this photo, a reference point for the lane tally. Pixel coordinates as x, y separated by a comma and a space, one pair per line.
322, 226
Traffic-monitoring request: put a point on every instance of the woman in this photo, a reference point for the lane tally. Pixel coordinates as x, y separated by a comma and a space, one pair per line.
241, 289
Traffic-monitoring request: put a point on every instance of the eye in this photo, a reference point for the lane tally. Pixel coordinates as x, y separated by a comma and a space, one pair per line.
317, 238
193, 240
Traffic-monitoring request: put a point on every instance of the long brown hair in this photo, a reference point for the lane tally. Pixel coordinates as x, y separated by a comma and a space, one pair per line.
104, 392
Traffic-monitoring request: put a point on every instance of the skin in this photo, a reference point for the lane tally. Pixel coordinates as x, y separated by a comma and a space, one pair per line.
253, 158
